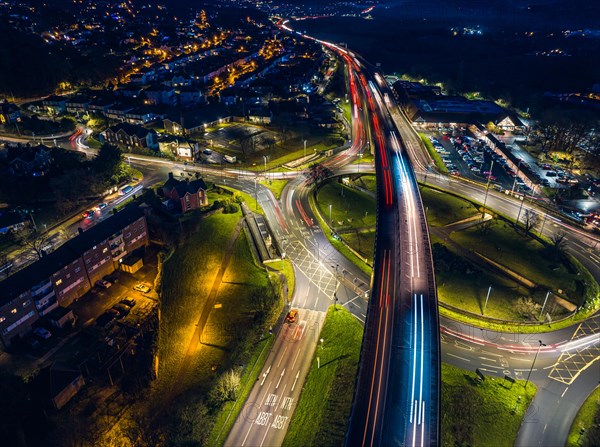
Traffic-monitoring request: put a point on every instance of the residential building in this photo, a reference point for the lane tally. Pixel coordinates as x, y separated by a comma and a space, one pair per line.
28, 160
185, 195
130, 135
55, 105
160, 94
9, 113
69, 272
11, 222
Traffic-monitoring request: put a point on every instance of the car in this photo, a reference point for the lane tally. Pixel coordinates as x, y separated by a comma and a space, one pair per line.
102, 206
550, 174
88, 214
103, 284
42, 333
130, 302
122, 310
106, 318
291, 316
142, 288
491, 177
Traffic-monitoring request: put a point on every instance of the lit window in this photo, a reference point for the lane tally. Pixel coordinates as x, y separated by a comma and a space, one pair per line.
14, 311
105, 250
2, 319
58, 283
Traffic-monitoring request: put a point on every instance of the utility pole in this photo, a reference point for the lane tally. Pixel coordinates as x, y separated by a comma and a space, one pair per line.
543, 223
520, 208
330, 222
304, 148
533, 363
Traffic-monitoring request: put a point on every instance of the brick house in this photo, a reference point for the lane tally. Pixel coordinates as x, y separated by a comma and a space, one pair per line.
185, 196
131, 135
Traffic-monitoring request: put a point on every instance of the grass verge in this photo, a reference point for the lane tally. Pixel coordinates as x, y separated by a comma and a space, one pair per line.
350, 208
443, 209
588, 414
275, 185
436, 157
487, 413
323, 410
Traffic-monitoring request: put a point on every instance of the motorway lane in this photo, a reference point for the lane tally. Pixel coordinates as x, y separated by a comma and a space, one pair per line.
265, 418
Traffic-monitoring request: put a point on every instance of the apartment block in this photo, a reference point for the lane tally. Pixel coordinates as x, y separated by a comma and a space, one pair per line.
68, 272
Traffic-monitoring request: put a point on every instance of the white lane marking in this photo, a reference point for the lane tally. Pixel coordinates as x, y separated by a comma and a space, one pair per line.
263, 399
459, 357
563, 393
296, 358
265, 375
246, 437
282, 356
295, 380
281, 377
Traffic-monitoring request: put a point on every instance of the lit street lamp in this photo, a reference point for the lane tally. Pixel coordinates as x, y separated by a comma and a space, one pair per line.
330, 221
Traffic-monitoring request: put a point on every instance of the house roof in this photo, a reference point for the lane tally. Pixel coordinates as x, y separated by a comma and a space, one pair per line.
43, 269
9, 219
8, 107
131, 129
182, 187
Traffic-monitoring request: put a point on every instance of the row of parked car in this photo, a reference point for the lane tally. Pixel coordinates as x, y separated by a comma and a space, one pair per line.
117, 312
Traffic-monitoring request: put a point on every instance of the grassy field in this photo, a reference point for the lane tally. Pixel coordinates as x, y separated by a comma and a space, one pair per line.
521, 254
481, 414
369, 182
444, 209
275, 185
353, 209
468, 292
288, 271
231, 337
322, 414
588, 414
362, 241
436, 157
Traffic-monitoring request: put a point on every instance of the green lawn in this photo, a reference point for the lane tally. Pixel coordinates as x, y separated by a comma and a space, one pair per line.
436, 157
230, 338
323, 411
353, 208
362, 241
443, 208
276, 186
484, 414
369, 182
588, 414
521, 254
288, 271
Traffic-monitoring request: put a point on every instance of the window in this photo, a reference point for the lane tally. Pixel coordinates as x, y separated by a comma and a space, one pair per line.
77, 269
2, 319
26, 303
58, 283
105, 250
14, 311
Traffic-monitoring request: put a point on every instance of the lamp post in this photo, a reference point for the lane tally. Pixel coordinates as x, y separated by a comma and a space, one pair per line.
330, 221
516, 177
487, 189
486, 300
360, 156
337, 283
544, 305
304, 148
533, 363
256, 193
265, 160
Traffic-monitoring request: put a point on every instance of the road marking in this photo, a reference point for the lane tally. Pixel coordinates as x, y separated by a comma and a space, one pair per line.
282, 356
491, 366
458, 357
563, 393
286, 403
279, 381
265, 376
358, 318
295, 380
263, 399
271, 400
296, 358
488, 370
246, 437
489, 360
264, 437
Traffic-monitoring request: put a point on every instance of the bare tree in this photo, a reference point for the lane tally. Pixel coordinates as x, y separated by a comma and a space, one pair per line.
558, 239
144, 430
530, 220
35, 243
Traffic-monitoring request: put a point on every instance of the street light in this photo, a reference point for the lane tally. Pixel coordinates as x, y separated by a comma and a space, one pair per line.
487, 189
330, 221
516, 177
304, 148
533, 363
360, 156
265, 160
337, 284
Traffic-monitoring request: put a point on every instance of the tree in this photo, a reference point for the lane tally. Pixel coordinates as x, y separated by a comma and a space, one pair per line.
35, 243
226, 387
530, 220
527, 308
143, 430
558, 239
108, 160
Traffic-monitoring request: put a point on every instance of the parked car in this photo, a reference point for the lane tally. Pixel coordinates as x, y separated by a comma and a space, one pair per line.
106, 318
291, 316
550, 174
130, 302
102, 206
42, 333
122, 310
103, 284
142, 288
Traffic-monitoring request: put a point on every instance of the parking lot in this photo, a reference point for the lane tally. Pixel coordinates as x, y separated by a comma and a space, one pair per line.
470, 157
